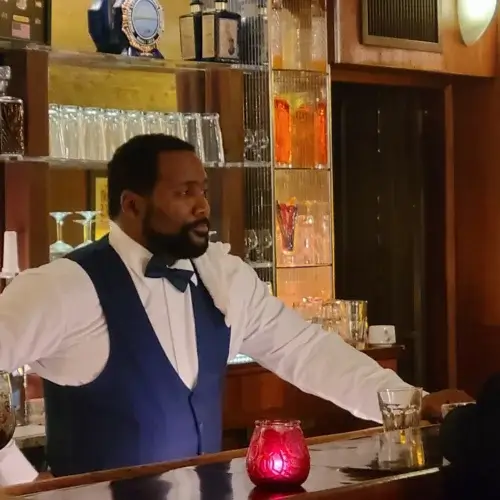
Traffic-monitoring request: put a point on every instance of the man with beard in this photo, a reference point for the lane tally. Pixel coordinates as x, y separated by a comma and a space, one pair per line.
132, 334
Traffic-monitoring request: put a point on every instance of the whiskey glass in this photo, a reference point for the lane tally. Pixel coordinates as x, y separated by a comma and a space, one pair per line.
59, 248
400, 408
7, 412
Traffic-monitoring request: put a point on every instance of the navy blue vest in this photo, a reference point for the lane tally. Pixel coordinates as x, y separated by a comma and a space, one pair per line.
137, 411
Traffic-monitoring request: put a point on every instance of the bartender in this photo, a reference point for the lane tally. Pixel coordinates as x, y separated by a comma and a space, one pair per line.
133, 333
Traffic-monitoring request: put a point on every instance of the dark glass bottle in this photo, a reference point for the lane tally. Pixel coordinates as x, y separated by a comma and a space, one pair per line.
191, 33
221, 34
11, 118
253, 40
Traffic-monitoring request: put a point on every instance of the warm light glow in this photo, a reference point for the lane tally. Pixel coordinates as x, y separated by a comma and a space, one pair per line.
474, 17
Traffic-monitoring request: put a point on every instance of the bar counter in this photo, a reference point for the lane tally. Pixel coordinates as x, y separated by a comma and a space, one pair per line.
343, 466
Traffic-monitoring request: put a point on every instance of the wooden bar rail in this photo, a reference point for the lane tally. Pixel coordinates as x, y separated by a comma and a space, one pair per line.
342, 467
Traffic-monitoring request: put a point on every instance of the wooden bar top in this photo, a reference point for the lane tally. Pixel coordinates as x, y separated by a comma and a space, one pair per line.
342, 466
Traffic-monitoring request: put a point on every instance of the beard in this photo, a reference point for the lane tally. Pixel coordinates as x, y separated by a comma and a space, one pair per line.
180, 245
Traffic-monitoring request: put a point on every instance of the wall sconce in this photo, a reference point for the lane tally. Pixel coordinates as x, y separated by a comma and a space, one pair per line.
474, 17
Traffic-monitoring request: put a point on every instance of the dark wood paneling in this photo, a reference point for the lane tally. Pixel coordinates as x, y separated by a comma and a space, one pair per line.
344, 23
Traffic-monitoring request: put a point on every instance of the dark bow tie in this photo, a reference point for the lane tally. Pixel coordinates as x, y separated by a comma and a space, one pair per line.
180, 278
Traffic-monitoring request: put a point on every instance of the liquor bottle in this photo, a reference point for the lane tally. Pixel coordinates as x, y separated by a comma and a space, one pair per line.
191, 33
253, 41
221, 34
11, 118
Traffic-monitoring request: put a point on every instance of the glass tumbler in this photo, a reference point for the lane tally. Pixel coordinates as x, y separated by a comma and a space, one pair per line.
400, 408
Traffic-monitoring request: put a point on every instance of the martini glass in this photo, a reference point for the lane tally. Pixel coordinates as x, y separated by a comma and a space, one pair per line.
86, 222
59, 248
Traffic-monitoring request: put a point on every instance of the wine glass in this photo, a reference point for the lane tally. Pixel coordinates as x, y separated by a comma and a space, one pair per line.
59, 248
7, 414
249, 143
266, 241
261, 144
86, 222
251, 242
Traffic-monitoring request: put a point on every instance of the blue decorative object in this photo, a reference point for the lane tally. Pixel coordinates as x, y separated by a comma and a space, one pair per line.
127, 27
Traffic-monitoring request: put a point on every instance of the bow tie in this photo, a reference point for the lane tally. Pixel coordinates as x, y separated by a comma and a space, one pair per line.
180, 278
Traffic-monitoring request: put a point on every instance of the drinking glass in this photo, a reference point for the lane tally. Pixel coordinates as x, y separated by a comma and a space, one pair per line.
400, 408
449, 407
86, 222
265, 242
212, 140
251, 242
59, 248
173, 124
154, 122
334, 318
114, 131
193, 133
93, 134
134, 124
55, 132
261, 144
249, 143
278, 455
401, 450
357, 317
71, 124
7, 413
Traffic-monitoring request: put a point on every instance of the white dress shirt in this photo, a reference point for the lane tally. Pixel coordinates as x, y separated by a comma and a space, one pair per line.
51, 319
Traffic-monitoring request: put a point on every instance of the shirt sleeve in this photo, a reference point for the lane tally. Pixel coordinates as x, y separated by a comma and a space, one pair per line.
33, 316
14, 468
315, 361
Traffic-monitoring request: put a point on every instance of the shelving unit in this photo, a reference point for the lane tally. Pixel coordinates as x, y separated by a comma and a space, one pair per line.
245, 190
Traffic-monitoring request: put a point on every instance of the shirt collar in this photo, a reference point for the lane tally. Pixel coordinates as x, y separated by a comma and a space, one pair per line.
135, 256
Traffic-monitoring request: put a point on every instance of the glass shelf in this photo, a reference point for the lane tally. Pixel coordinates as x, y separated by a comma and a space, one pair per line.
97, 60
305, 266
75, 164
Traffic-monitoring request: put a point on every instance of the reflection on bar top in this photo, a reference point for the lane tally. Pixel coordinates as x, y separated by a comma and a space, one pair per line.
334, 465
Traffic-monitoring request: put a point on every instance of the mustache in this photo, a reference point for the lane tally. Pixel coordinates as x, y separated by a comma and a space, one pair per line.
196, 224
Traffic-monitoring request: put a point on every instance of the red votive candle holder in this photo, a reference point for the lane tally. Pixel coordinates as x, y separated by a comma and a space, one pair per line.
278, 456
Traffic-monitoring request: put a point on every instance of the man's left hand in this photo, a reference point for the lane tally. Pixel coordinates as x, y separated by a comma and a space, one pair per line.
431, 404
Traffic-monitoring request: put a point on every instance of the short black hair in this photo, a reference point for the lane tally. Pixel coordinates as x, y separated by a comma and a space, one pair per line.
134, 166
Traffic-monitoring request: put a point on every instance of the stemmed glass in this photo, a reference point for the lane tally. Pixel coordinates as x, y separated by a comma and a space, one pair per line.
59, 248
86, 222
249, 143
265, 242
7, 413
251, 242
261, 143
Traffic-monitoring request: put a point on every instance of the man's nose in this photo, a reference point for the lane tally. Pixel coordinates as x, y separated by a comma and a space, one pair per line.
202, 208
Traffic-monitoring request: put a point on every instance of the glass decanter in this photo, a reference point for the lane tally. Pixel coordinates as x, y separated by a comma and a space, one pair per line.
11, 118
